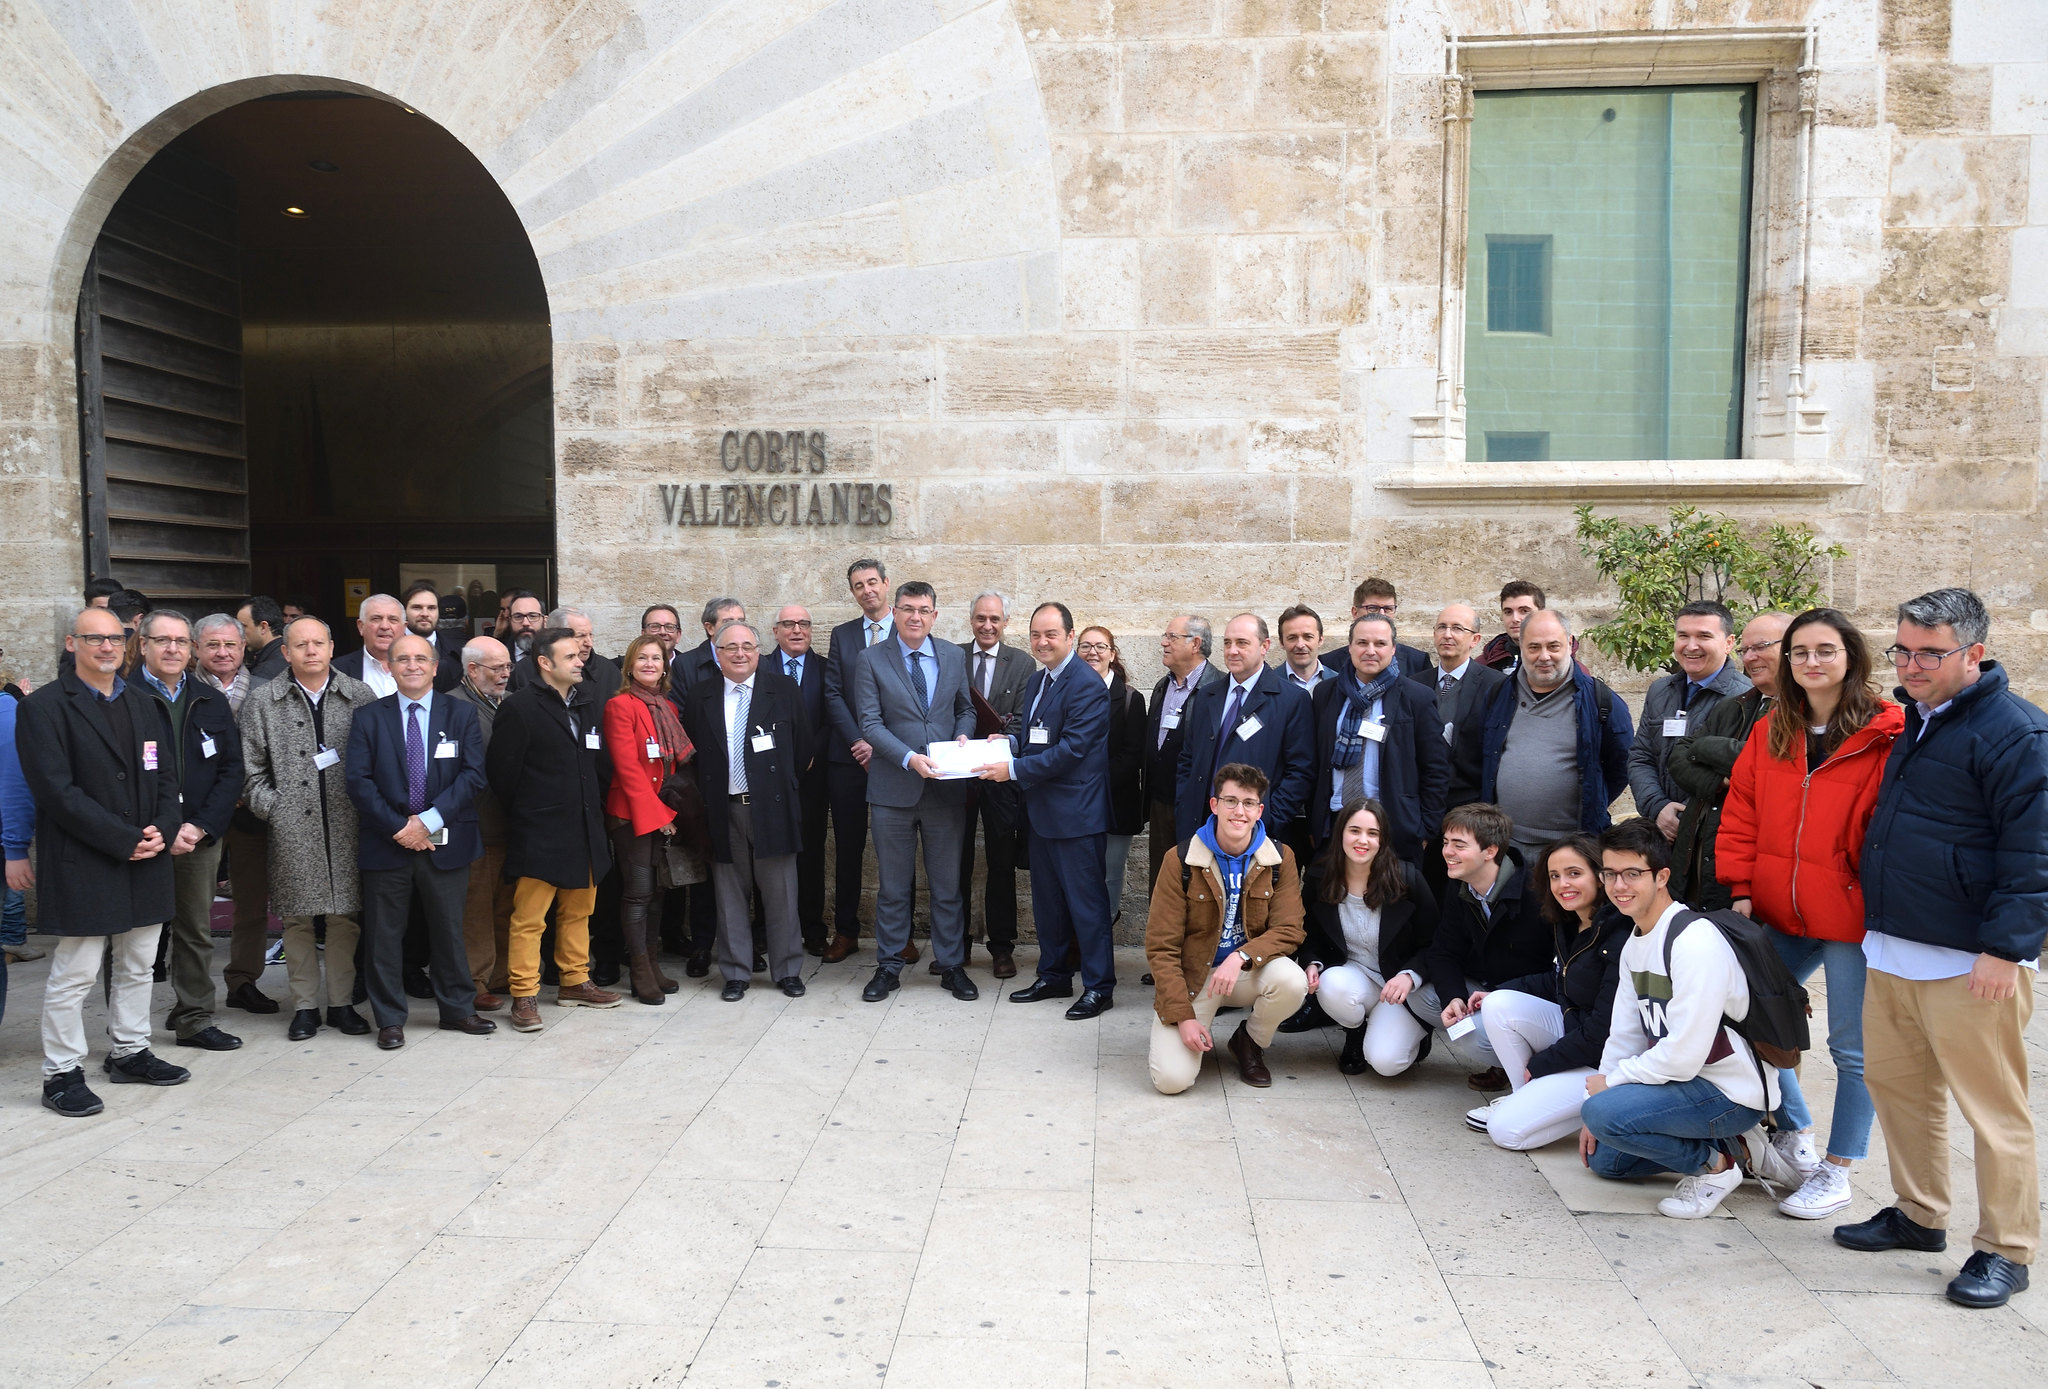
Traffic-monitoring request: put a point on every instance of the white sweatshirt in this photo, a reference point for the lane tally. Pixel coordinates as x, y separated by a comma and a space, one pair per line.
1706, 984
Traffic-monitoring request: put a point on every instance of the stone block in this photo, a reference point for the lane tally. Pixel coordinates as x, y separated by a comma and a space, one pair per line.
1038, 511
1079, 84
586, 385
1408, 173
1032, 376
1259, 183
1961, 485
1322, 509
1296, 446
1113, 187
1937, 98
1263, 18
1850, 163
1913, 28
1177, 281
2019, 98
1415, 108
1848, 241
1939, 269
1893, 334
1260, 281
1336, 283
1153, 446
1100, 283
1998, 417
1848, 96
1411, 245
1404, 321
1187, 86
1048, 21
681, 384
1163, 578
973, 450
1958, 183
1320, 81
1212, 374
1834, 316
1166, 511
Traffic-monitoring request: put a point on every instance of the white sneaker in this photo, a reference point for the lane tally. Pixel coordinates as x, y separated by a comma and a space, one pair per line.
1478, 1119
1769, 1166
1797, 1148
1697, 1197
1825, 1191
274, 955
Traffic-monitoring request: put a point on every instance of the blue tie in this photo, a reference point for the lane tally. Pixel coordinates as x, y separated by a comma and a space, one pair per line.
415, 763
924, 696
1229, 722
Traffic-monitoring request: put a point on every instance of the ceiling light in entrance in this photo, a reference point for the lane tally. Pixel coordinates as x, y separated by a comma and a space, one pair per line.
296, 211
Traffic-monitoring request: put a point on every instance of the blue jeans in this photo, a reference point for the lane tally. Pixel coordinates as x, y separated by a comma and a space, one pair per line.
14, 918
1849, 1130
1647, 1129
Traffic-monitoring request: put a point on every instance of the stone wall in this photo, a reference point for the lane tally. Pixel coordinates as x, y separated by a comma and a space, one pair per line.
1128, 302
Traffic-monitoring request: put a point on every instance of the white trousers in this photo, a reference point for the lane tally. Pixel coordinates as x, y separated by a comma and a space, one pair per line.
1393, 1034
74, 967
1274, 992
1545, 1109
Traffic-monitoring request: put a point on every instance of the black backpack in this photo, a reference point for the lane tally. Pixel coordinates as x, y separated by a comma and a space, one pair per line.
1778, 1006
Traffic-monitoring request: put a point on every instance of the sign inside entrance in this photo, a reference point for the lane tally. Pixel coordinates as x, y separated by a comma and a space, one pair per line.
770, 479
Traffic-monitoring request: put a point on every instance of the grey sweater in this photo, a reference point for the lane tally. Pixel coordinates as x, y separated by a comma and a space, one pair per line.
1537, 783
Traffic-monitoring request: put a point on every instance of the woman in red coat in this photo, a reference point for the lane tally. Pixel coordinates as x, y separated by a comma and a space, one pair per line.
1791, 840
647, 744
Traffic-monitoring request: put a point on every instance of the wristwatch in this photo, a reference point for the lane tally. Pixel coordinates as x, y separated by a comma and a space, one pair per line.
1244, 957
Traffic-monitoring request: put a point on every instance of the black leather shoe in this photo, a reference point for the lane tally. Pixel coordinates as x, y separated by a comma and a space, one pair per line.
251, 999
417, 985
880, 987
792, 986
697, 966
734, 990
211, 1039
1889, 1229
141, 1068
1351, 1060
68, 1094
955, 982
1146, 979
1092, 1004
1041, 990
390, 1038
305, 1023
473, 1025
1308, 1017
347, 1020
1987, 1280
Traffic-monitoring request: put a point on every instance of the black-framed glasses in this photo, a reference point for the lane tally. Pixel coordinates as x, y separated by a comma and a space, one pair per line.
1631, 876
1900, 657
99, 638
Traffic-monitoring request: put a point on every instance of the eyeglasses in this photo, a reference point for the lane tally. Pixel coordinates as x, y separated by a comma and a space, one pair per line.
1756, 648
1631, 876
495, 667
918, 611
1096, 648
1376, 609
1813, 655
1177, 636
669, 627
747, 648
172, 642
1234, 803
803, 622
99, 638
1458, 627
1926, 660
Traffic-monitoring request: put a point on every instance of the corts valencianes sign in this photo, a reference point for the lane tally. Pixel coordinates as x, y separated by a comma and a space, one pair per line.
751, 504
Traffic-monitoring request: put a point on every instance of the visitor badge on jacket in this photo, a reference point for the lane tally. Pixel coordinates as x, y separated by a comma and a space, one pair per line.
325, 758
762, 741
1249, 727
1675, 728
149, 757
653, 750
445, 748
206, 747
1041, 736
1170, 721
593, 740
1374, 732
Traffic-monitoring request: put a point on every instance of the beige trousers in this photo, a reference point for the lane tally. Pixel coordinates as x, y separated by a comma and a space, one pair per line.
1927, 1039
302, 962
1273, 991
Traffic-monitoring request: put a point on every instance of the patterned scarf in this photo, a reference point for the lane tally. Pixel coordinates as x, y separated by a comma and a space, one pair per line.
1359, 697
676, 747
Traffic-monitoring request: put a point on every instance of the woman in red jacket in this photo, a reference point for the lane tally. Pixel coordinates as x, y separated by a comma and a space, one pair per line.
647, 743
1799, 801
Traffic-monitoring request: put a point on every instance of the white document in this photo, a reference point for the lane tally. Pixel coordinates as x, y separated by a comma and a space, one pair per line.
955, 761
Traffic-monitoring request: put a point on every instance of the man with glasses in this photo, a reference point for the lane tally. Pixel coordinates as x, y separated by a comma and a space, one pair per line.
1376, 598
487, 902
998, 672
1463, 686
524, 616
1184, 650
665, 625
911, 691
1955, 898
1704, 758
794, 658
1703, 636
106, 795
203, 750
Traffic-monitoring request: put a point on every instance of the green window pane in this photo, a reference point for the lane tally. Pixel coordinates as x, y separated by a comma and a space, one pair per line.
1607, 272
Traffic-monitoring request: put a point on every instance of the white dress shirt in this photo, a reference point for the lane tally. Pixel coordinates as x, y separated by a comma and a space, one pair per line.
739, 699
378, 676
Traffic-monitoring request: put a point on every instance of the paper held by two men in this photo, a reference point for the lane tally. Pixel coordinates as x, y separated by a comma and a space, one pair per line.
955, 761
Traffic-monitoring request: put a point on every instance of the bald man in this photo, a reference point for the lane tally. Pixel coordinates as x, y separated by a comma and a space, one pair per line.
793, 657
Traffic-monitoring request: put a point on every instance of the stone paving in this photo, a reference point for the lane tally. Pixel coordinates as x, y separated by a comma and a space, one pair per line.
922, 1192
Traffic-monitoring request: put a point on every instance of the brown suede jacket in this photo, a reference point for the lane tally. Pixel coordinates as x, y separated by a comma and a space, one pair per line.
1185, 927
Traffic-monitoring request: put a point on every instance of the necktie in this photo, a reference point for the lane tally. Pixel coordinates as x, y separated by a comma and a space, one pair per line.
739, 738
789, 668
924, 696
1044, 689
874, 632
1354, 775
984, 666
1445, 683
415, 763
1229, 722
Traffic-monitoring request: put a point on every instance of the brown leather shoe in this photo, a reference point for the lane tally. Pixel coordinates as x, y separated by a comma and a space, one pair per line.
1251, 1058
839, 949
646, 986
473, 1025
908, 954
1001, 965
1492, 1079
488, 1002
526, 1014
586, 995
390, 1038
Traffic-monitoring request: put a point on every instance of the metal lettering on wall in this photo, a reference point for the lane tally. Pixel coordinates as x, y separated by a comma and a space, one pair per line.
750, 504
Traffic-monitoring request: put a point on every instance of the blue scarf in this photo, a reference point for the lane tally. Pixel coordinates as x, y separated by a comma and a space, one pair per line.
1359, 698
1232, 868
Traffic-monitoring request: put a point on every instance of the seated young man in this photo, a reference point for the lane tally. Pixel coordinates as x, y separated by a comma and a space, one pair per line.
1677, 1090
1220, 932
1490, 929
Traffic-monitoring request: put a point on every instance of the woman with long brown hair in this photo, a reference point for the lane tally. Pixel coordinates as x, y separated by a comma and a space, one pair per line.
1097, 646
647, 745
1789, 849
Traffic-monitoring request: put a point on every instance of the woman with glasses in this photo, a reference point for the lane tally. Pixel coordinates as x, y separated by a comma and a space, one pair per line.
647, 746
1369, 919
1126, 758
1790, 850
1548, 1029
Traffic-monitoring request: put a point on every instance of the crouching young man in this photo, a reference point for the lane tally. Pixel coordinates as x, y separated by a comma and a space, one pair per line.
1677, 1090
1226, 914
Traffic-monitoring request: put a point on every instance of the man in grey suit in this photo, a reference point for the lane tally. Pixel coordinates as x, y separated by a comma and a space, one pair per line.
999, 672
911, 691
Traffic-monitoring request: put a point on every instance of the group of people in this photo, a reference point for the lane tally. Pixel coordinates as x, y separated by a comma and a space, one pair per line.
1419, 852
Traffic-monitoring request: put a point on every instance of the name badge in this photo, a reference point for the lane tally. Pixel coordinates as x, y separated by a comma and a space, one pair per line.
149, 757
762, 742
206, 747
1170, 721
653, 750
592, 741
1249, 727
1675, 728
1374, 732
444, 748
1040, 737
325, 758
1460, 1028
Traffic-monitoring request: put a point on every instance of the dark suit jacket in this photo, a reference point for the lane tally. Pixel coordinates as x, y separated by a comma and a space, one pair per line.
1415, 766
93, 797
1283, 748
1162, 757
551, 785
776, 707
686, 669
211, 785
267, 663
351, 664
1001, 808
1415, 664
1468, 732
375, 767
600, 673
1127, 725
1064, 780
448, 647
842, 719
812, 691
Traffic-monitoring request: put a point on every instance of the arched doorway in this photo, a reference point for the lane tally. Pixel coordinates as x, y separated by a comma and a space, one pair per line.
314, 362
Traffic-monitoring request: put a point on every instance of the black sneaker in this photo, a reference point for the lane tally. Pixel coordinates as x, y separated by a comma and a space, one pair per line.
144, 1068
67, 1093
1890, 1229
211, 1039
1987, 1280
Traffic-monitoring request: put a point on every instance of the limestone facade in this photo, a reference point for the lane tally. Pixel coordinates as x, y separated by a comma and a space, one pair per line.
1134, 303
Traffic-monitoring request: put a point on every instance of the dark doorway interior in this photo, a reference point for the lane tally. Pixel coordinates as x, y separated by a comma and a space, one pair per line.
389, 413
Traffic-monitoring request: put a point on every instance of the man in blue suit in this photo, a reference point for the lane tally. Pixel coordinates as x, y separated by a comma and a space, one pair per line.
794, 657
415, 765
1256, 716
911, 692
1060, 760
